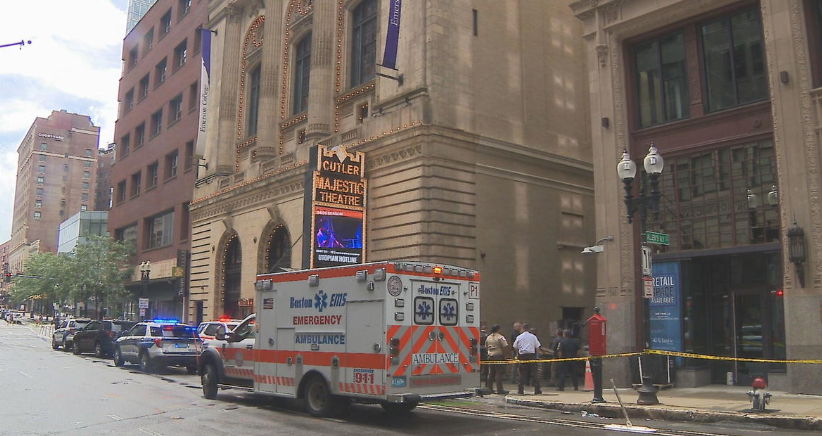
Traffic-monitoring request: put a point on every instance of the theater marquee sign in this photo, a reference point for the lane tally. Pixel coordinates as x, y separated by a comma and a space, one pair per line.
338, 209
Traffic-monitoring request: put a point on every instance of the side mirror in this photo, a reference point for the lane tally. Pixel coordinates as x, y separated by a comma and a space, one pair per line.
233, 337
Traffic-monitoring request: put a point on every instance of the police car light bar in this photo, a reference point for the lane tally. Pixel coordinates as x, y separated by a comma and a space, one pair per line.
165, 321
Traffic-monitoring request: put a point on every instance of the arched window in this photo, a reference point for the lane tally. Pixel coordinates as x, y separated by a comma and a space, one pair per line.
302, 73
231, 285
253, 100
364, 42
278, 251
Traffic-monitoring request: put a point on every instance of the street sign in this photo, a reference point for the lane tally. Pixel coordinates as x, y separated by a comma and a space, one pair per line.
142, 313
143, 303
648, 287
646, 260
657, 238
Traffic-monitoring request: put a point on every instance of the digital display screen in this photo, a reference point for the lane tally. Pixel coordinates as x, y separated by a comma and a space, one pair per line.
338, 237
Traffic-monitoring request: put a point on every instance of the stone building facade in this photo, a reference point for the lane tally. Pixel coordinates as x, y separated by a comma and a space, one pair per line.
729, 92
476, 149
56, 173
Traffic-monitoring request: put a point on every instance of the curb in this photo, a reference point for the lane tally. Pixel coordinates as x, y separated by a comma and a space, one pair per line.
611, 410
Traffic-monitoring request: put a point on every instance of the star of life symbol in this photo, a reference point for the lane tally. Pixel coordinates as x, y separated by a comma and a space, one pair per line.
321, 301
448, 311
424, 310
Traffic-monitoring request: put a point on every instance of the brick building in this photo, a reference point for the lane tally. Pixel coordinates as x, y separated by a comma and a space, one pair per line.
153, 173
56, 174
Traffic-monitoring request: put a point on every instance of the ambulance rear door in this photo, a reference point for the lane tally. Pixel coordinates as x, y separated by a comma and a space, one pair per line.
364, 364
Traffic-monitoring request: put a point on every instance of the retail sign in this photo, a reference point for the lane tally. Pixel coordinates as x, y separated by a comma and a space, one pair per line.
657, 238
338, 208
665, 307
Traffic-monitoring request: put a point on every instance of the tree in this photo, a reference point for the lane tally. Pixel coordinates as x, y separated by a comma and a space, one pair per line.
97, 270
42, 278
100, 270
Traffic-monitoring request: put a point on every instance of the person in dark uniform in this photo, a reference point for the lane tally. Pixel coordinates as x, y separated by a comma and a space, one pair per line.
568, 347
517, 330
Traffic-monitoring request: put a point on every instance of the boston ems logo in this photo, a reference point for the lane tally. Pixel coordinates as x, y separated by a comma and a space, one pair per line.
321, 301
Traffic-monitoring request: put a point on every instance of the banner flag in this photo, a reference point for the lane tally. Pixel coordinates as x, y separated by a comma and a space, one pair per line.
389, 57
205, 74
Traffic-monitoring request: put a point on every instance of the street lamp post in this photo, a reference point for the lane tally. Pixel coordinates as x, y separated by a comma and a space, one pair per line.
145, 275
645, 202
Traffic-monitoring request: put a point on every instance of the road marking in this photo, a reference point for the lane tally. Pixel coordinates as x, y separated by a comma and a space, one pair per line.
23, 373
115, 417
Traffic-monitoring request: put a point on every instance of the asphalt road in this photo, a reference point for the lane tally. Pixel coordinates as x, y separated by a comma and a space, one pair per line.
46, 392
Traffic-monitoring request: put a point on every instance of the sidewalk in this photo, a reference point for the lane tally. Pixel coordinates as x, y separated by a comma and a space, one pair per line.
704, 404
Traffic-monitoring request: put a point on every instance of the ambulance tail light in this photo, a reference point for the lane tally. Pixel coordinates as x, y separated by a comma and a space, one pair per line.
394, 351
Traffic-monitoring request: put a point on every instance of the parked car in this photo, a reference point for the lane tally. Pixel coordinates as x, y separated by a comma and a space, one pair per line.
64, 334
208, 329
156, 344
99, 337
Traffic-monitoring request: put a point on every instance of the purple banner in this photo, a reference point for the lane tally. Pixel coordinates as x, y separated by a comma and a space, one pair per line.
392, 36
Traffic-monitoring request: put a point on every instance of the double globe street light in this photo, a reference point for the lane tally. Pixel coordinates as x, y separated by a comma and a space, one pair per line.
643, 203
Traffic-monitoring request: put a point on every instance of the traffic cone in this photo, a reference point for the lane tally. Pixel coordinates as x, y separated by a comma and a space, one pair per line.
589, 378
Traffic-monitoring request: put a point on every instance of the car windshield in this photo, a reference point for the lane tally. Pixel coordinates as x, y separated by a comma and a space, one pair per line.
176, 331
81, 324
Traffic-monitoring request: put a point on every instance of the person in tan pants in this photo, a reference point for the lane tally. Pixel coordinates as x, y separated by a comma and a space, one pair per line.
496, 346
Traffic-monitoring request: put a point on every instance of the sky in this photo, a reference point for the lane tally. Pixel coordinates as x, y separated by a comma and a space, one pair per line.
73, 63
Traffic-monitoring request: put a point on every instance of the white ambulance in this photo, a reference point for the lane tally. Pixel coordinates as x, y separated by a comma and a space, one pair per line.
393, 333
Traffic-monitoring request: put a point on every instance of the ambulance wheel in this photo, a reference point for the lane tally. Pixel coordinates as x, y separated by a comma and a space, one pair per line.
318, 398
145, 363
118, 357
399, 408
209, 381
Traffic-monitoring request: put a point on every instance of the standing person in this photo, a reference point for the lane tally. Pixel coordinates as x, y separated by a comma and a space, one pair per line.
568, 347
517, 329
483, 351
555, 354
496, 345
526, 346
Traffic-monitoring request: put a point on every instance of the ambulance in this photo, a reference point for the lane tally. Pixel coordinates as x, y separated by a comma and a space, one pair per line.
392, 333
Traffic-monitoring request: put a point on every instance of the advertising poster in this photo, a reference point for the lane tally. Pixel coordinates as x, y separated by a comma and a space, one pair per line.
665, 307
338, 209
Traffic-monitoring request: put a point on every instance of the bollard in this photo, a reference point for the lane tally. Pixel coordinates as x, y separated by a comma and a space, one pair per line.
647, 392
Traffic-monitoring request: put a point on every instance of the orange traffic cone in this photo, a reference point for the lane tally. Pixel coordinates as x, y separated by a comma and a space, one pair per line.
589, 378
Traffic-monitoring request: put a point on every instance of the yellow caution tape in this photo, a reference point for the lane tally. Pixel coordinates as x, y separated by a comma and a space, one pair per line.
738, 359
563, 359
657, 352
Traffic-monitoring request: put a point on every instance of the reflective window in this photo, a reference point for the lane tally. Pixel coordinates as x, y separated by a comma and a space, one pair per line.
424, 310
662, 88
734, 60
302, 70
364, 42
720, 198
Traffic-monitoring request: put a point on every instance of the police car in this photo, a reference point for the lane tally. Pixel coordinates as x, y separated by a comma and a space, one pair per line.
208, 329
159, 343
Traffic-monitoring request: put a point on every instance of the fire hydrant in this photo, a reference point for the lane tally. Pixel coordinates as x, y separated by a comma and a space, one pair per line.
759, 397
